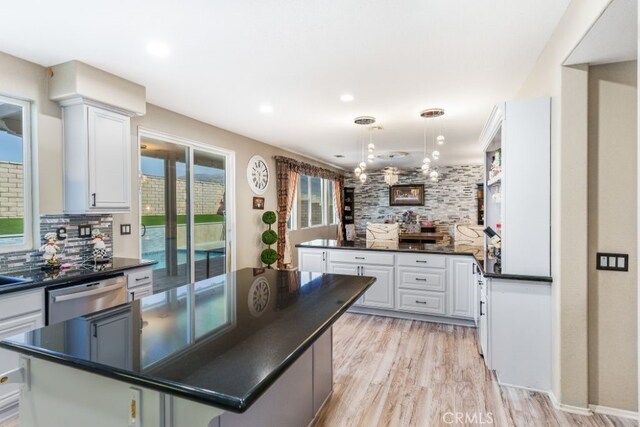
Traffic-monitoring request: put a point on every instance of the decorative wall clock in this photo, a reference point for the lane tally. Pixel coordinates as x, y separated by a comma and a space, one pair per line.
258, 174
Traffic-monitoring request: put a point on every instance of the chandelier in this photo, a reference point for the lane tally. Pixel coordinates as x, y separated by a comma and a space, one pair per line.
391, 175
436, 114
360, 170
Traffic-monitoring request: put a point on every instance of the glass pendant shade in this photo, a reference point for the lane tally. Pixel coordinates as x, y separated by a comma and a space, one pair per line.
434, 175
426, 160
371, 157
440, 140
363, 177
363, 166
357, 172
371, 147
435, 154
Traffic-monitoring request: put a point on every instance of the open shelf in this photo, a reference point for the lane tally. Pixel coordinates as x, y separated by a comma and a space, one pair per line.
495, 180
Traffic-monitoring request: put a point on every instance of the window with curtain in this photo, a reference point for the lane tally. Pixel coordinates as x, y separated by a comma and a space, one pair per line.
314, 204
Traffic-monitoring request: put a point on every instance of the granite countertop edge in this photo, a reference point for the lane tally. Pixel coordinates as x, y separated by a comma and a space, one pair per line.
33, 284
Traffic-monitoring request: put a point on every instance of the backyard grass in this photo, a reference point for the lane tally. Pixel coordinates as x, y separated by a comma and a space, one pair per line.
151, 220
11, 226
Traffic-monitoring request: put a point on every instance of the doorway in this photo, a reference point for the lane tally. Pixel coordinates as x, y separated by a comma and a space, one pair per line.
186, 208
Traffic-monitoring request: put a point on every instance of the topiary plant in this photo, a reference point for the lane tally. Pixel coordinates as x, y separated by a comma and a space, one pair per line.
269, 237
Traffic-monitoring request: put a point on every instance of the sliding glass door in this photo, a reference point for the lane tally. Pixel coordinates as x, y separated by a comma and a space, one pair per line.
184, 209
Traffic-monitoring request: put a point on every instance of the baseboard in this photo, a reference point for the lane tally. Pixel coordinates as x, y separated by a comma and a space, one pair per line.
411, 316
521, 387
622, 413
568, 408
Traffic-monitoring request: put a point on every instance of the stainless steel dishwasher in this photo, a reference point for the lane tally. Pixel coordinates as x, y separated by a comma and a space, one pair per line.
79, 299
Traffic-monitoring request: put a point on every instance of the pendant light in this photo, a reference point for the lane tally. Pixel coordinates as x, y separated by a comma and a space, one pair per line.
432, 113
360, 170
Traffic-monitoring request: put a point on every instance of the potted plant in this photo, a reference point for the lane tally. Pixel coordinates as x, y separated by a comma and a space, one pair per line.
269, 237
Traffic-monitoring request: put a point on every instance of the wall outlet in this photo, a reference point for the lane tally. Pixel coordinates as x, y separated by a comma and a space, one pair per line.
125, 229
84, 230
612, 262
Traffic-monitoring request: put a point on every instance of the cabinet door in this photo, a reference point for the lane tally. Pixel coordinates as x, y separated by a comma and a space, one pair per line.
380, 294
312, 260
483, 325
461, 288
109, 137
348, 269
9, 394
111, 340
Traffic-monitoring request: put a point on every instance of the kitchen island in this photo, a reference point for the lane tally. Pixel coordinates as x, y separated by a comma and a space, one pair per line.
251, 347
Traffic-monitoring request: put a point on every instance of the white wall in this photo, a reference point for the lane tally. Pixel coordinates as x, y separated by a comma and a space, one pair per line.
613, 370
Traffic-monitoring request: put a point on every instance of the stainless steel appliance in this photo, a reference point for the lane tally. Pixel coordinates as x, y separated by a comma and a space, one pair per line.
84, 298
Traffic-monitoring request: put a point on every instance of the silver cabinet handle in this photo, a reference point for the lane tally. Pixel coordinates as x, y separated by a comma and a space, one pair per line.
418, 279
359, 257
142, 278
421, 302
421, 261
77, 295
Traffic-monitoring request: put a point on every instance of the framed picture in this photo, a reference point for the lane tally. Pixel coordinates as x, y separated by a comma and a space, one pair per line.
258, 203
406, 195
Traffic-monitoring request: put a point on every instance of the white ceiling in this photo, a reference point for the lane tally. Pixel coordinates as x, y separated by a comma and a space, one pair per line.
229, 57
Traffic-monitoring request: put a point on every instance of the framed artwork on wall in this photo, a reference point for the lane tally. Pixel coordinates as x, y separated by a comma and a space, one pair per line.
406, 195
258, 203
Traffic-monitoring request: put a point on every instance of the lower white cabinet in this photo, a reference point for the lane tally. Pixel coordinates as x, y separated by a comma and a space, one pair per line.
105, 337
462, 288
406, 282
312, 260
139, 283
20, 312
380, 294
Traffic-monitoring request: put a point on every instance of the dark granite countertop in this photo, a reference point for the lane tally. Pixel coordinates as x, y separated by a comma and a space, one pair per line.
242, 332
428, 248
37, 278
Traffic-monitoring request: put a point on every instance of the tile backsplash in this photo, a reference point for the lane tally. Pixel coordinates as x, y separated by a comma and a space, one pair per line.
74, 249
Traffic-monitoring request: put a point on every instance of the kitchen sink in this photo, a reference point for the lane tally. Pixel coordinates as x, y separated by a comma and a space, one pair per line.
7, 280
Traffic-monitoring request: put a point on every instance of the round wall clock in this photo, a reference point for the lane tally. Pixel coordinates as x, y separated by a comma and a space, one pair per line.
258, 174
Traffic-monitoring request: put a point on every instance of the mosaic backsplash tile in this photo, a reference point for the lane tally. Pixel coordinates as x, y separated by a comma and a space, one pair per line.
73, 250
451, 200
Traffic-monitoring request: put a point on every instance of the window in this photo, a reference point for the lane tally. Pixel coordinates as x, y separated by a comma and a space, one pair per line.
316, 205
15, 176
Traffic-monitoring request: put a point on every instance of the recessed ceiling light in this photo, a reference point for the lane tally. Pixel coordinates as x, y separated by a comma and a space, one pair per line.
159, 49
266, 109
346, 97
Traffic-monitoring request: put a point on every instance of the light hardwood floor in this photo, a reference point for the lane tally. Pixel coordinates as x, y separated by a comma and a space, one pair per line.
391, 372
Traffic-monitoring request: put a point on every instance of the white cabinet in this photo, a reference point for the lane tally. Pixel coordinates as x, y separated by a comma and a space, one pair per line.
97, 159
380, 294
103, 338
312, 260
349, 270
139, 283
462, 295
483, 322
20, 312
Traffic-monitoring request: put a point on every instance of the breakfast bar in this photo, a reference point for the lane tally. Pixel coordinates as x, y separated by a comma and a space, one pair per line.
251, 347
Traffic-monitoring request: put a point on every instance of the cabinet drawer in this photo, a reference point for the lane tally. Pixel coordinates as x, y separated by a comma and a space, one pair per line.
139, 277
425, 279
422, 260
361, 257
21, 303
422, 302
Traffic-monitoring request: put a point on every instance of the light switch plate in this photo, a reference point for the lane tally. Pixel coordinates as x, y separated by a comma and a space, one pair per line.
84, 230
612, 262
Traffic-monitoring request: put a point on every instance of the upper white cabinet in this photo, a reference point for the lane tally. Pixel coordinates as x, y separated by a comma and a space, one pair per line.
517, 143
97, 159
